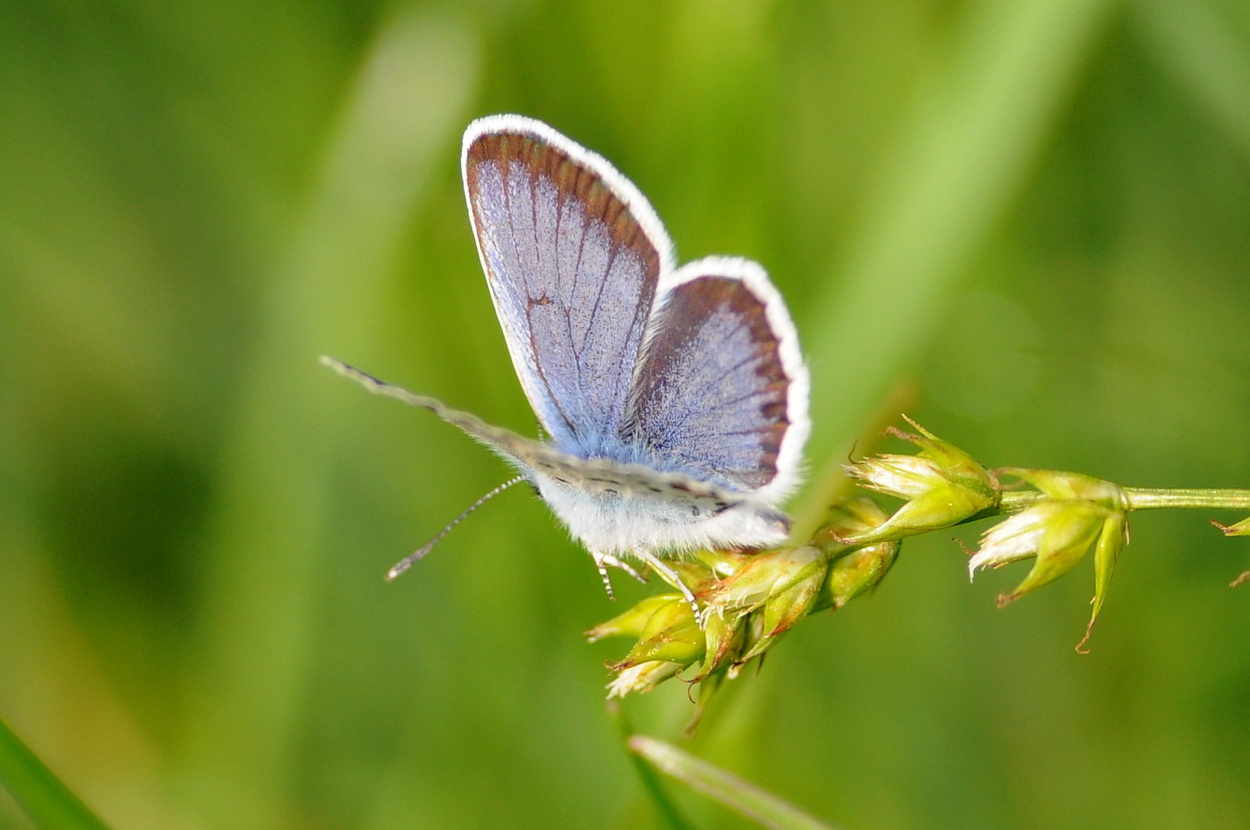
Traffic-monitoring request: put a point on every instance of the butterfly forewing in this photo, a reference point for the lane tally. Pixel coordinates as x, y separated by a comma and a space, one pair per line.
717, 395
572, 254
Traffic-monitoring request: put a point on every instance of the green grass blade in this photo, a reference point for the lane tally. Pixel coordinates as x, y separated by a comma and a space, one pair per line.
1206, 55
963, 152
727, 789
398, 123
47, 801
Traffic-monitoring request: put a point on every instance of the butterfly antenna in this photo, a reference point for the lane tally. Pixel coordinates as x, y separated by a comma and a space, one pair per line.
419, 553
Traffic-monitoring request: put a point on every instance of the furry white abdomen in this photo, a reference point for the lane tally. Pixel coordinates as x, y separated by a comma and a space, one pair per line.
626, 523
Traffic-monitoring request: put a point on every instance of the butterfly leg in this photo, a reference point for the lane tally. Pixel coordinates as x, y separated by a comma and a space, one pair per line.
603, 561
670, 576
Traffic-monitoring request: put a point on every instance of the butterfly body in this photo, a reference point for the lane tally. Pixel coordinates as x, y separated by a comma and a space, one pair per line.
623, 523
674, 400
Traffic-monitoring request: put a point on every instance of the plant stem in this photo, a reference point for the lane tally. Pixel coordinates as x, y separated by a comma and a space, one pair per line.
1012, 501
1138, 498
647, 773
1142, 498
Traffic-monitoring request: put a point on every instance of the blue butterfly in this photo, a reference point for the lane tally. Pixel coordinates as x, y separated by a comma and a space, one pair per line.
674, 398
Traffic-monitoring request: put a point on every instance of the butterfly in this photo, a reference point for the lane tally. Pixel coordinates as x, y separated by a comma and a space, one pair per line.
673, 399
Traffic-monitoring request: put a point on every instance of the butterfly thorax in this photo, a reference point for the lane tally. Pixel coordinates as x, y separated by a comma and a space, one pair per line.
620, 496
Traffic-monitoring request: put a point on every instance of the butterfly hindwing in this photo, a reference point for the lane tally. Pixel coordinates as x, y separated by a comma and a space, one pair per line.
720, 392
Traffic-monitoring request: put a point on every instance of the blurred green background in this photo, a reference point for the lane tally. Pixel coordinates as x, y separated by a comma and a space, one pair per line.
1037, 212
